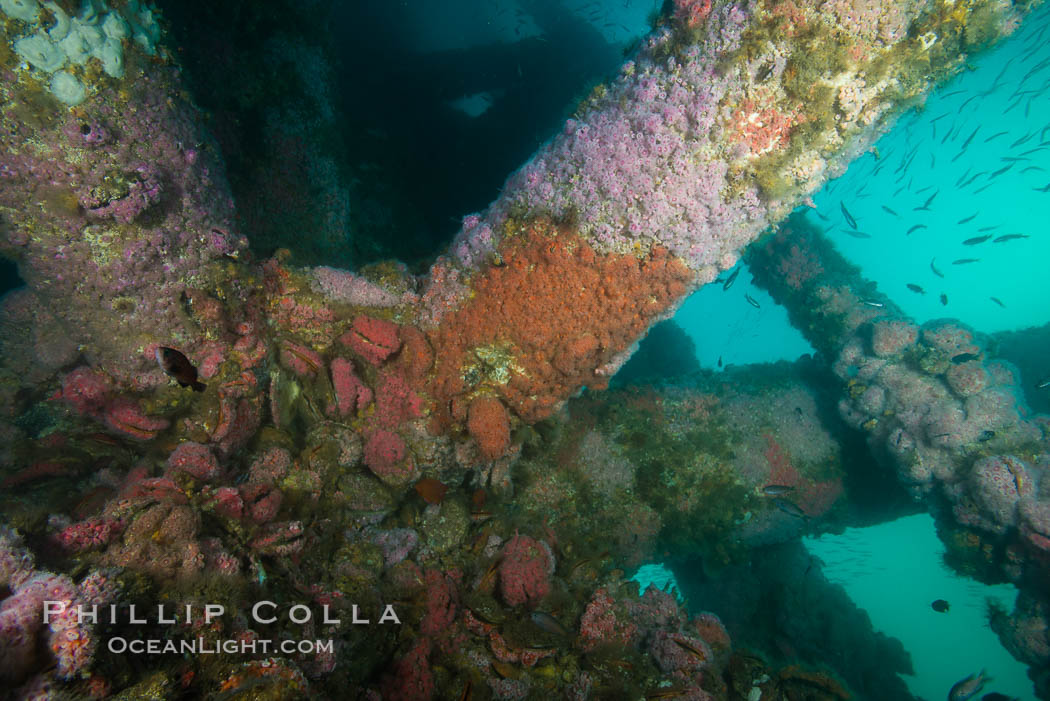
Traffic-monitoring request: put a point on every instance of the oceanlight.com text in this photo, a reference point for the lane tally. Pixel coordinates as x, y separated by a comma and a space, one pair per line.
201, 646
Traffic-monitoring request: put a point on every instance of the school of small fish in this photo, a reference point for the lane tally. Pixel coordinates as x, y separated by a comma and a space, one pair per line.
1023, 156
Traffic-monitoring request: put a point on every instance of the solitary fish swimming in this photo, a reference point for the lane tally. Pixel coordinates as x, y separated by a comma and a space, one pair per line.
967, 688
790, 508
772, 490
549, 623
178, 366
940, 606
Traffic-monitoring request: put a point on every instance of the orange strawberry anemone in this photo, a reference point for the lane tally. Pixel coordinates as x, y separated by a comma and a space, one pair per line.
542, 321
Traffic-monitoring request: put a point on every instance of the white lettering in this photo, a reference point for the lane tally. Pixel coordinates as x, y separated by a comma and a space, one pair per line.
389, 615
117, 645
357, 620
299, 607
131, 615
92, 615
55, 608
213, 611
160, 615
259, 605
327, 620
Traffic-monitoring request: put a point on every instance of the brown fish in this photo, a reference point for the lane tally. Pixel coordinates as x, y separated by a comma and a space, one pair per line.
545, 621
506, 670
432, 491
691, 649
178, 366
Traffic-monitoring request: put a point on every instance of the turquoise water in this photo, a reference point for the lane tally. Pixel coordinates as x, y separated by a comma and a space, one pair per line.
982, 103
723, 324
894, 571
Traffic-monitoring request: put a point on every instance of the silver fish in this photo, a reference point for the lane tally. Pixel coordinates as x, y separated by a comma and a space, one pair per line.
549, 623
790, 508
968, 687
774, 490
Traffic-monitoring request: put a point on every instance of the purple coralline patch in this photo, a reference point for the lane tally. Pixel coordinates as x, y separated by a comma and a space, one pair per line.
128, 219
997, 483
891, 336
87, 132
967, 379
123, 197
395, 543
644, 165
950, 337
344, 286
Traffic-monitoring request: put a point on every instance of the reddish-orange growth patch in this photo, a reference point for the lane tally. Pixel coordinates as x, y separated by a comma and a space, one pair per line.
559, 309
416, 357
763, 127
374, 339
795, 18
489, 425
